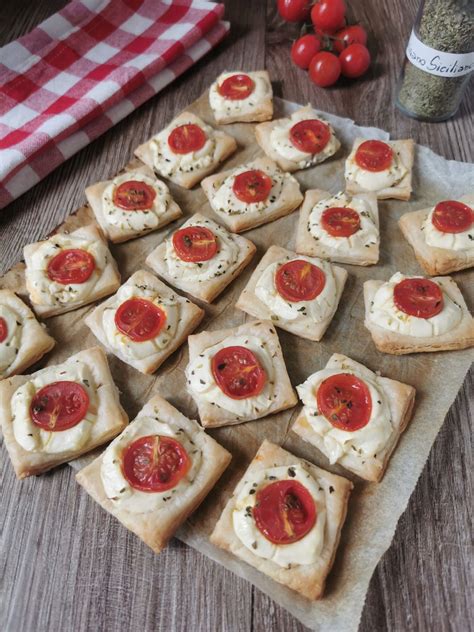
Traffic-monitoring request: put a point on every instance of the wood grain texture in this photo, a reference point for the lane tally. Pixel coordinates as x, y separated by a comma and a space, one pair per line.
64, 563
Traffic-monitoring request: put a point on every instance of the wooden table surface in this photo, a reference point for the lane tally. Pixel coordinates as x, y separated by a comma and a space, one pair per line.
67, 565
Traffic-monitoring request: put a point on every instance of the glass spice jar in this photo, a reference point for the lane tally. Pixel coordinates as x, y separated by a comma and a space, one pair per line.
439, 60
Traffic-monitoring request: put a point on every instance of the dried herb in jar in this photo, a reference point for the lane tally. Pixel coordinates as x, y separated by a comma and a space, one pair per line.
439, 59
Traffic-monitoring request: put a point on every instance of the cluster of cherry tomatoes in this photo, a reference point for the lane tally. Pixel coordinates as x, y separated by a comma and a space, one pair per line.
334, 49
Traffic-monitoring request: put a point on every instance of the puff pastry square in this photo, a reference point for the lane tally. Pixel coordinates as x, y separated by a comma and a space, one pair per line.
24, 340
306, 579
186, 170
460, 337
273, 138
120, 225
155, 525
50, 298
401, 190
392, 415
257, 106
432, 259
284, 197
182, 317
105, 418
261, 338
203, 280
304, 324
361, 248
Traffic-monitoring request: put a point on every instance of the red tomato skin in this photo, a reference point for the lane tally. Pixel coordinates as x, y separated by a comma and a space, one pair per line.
355, 61
284, 511
328, 15
324, 69
304, 49
354, 34
294, 10
450, 216
3, 329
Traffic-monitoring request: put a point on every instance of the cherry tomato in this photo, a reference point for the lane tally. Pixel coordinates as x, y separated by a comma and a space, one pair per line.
328, 15
340, 221
155, 463
345, 401
59, 406
186, 138
355, 60
236, 87
252, 186
195, 243
139, 319
374, 155
3, 329
452, 217
238, 373
284, 511
134, 195
294, 10
299, 280
304, 49
418, 297
310, 135
324, 69
354, 34
71, 266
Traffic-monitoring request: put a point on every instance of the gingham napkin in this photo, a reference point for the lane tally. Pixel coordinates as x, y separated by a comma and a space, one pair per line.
84, 69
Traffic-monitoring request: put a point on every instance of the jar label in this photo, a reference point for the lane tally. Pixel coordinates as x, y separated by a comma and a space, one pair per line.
437, 62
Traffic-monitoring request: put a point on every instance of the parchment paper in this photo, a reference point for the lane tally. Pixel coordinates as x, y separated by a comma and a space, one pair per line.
374, 509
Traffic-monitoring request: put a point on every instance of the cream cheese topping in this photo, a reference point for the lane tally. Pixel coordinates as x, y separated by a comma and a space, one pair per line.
32, 437
10, 346
139, 350
119, 491
225, 201
317, 309
169, 163
226, 256
367, 235
383, 312
449, 241
223, 106
202, 384
53, 293
281, 143
304, 551
366, 441
135, 220
375, 180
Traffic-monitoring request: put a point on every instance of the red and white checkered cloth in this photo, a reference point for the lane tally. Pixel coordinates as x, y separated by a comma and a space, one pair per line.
84, 69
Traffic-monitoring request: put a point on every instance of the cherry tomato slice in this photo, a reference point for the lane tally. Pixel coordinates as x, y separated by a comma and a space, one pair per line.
340, 221
134, 195
418, 297
3, 329
195, 243
252, 186
284, 511
155, 463
59, 406
310, 136
374, 155
187, 138
71, 266
345, 401
139, 319
299, 280
452, 217
236, 87
238, 373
